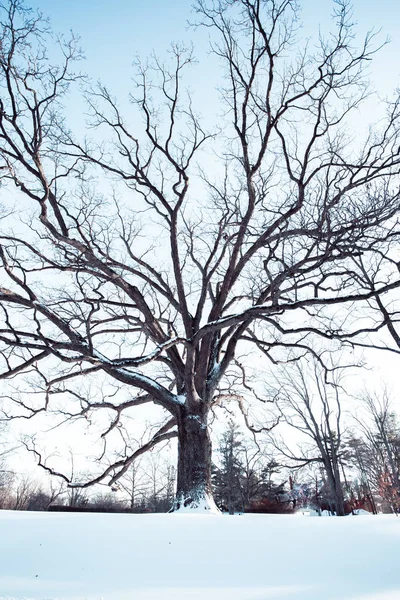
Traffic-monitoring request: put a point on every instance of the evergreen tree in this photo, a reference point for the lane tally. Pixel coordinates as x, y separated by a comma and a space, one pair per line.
227, 477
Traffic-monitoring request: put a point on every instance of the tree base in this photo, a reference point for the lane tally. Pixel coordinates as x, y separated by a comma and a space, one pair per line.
195, 504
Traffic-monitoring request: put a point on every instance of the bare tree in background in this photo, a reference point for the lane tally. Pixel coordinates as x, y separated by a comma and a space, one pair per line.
363, 459
24, 489
7, 474
311, 403
132, 268
134, 484
380, 431
252, 463
6, 480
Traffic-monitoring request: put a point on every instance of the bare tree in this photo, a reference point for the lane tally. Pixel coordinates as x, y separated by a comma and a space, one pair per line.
7, 474
6, 480
363, 460
24, 489
381, 435
252, 463
138, 268
41, 497
311, 403
134, 484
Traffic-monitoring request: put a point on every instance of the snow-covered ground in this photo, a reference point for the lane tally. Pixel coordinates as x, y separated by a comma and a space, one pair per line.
191, 557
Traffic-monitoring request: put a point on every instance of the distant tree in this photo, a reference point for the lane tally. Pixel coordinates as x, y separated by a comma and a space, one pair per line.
106, 502
6, 480
308, 398
381, 434
272, 496
24, 489
252, 459
267, 473
77, 497
134, 484
7, 474
43, 496
362, 458
227, 476
38, 500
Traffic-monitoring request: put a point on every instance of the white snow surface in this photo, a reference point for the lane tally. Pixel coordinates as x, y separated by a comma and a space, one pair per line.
64, 556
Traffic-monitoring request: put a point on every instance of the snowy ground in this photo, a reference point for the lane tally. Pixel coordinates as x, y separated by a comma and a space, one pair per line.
62, 556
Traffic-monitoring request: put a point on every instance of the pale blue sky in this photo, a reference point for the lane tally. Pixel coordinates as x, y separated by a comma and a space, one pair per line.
113, 33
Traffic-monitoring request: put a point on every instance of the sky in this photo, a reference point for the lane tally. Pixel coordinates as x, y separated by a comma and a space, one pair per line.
114, 33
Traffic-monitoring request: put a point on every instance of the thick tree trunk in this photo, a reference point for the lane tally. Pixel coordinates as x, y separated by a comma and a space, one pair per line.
335, 486
194, 464
340, 508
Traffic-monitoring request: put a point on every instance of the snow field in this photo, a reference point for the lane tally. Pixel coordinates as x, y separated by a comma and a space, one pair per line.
64, 556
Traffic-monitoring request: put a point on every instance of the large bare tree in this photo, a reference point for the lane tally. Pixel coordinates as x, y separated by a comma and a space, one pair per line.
152, 252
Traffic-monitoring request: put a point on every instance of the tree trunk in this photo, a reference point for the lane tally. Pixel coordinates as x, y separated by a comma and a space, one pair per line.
194, 464
335, 486
339, 496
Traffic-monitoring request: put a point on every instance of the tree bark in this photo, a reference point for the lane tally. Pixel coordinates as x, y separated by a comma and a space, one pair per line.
194, 463
335, 486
